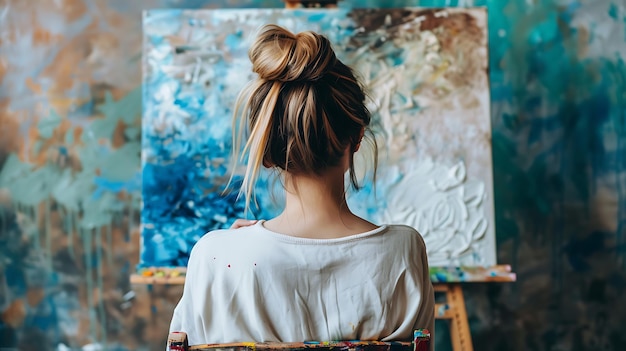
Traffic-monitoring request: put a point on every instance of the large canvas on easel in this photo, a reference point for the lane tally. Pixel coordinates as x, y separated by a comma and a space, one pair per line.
426, 73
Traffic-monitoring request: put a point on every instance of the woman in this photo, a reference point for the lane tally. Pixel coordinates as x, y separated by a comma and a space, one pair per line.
316, 271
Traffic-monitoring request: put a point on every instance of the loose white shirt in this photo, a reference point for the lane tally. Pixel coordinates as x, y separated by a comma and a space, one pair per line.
252, 284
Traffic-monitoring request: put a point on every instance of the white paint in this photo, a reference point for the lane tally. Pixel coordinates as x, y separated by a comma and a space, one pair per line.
608, 34
444, 206
434, 115
424, 60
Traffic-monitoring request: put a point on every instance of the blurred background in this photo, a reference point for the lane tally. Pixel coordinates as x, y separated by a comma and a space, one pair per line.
70, 181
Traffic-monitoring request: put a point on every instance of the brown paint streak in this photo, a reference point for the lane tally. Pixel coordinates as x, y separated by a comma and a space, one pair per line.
122, 195
101, 45
453, 26
10, 138
62, 104
455, 22
34, 87
34, 296
372, 20
115, 19
460, 33
58, 237
176, 40
73, 9
49, 148
42, 36
63, 70
119, 139
14, 314
83, 335
78, 133
117, 93
583, 42
66, 67
4, 67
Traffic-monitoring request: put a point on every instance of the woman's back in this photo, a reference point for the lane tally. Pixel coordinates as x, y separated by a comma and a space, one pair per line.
252, 284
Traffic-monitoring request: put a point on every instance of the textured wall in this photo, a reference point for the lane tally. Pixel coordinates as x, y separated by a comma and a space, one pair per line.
69, 139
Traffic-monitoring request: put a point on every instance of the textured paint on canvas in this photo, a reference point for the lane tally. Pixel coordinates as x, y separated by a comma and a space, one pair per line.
426, 74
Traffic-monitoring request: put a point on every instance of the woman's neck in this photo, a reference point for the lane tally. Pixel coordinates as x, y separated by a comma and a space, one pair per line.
316, 207
320, 197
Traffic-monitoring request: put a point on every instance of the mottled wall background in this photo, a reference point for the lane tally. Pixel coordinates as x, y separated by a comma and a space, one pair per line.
70, 104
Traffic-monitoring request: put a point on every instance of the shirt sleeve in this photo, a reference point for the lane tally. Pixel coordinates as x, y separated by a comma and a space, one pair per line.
186, 314
426, 316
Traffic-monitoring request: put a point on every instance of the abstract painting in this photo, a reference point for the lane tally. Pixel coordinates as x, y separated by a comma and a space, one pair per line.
426, 75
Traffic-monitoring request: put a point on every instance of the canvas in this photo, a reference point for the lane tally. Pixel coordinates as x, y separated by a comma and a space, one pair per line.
426, 74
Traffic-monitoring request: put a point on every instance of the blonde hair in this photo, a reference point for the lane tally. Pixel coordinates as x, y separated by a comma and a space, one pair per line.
303, 110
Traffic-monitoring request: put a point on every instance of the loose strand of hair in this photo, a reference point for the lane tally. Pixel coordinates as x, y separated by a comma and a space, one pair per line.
300, 114
257, 144
239, 127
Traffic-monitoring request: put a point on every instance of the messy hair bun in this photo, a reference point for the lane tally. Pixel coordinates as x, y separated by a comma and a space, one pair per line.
279, 55
302, 113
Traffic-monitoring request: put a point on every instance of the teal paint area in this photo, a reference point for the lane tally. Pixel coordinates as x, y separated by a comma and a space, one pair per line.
70, 191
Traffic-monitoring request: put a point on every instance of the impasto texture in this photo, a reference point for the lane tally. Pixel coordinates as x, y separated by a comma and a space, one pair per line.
425, 71
70, 174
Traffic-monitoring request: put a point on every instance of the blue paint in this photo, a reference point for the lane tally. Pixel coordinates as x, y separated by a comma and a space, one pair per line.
104, 185
614, 11
317, 17
233, 41
15, 277
440, 277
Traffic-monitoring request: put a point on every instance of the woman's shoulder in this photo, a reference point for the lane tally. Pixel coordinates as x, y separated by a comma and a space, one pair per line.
406, 234
222, 239
403, 230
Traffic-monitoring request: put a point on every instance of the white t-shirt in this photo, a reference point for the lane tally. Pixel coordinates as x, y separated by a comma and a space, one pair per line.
252, 284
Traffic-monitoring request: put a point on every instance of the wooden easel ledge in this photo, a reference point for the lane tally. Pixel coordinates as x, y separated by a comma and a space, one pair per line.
438, 275
498, 273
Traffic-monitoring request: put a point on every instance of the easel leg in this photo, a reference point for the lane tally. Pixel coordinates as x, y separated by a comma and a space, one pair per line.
459, 326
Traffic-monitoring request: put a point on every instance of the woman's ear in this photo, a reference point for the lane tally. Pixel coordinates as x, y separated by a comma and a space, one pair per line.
358, 145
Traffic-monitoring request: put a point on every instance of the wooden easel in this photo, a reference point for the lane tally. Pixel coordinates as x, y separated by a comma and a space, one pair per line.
454, 311
450, 281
